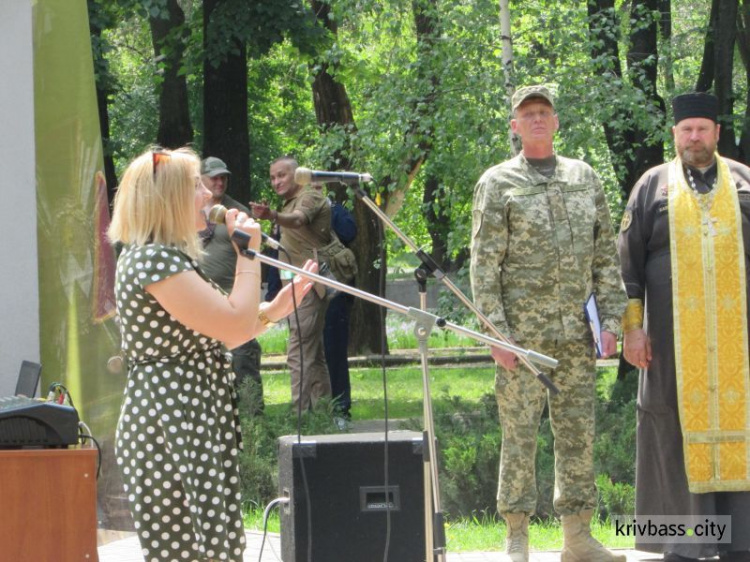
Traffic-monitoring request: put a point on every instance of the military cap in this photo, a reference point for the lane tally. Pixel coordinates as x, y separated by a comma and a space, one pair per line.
213, 167
528, 92
696, 104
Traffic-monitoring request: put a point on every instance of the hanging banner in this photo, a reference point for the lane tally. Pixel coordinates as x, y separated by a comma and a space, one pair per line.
78, 334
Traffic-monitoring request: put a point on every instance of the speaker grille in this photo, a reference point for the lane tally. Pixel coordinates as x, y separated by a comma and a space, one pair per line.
348, 502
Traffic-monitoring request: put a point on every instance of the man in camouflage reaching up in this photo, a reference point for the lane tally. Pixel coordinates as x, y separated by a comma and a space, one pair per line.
542, 243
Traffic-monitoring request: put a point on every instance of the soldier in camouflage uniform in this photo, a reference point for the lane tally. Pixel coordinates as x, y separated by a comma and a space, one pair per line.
542, 242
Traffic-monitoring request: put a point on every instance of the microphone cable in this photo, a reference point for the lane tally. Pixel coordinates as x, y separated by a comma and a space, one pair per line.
299, 414
273, 503
84, 433
383, 343
303, 472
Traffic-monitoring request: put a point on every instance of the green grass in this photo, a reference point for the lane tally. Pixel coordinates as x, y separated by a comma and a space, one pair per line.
399, 329
605, 380
253, 519
404, 387
483, 533
273, 341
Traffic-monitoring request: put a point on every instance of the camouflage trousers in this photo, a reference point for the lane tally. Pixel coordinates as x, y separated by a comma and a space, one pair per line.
520, 400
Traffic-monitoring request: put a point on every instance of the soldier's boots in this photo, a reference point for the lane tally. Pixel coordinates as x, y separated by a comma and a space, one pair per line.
517, 539
579, 545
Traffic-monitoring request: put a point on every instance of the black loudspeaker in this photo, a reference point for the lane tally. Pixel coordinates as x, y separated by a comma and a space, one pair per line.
345, 481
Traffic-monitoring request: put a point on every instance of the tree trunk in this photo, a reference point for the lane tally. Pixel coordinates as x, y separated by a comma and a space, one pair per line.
631, 151
743, 42
706, 74
333, 109
175, 129
725, 37
103, 90
426, 23
643, 60
418, 139
225, 126
437, 220
665, 27
604, 30
506, 40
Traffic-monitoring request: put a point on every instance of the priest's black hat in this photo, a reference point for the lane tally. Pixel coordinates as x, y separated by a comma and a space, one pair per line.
697, 104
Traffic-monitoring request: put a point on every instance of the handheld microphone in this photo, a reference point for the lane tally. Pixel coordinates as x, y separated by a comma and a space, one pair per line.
218, 214
304, 176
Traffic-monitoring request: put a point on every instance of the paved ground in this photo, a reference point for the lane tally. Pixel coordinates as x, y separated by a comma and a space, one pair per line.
128, 550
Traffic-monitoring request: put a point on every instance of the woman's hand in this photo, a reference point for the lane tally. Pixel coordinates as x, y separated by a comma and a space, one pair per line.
240, 221
283, 305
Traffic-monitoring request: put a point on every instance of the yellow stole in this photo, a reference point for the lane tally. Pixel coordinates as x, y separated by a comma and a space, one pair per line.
710, 331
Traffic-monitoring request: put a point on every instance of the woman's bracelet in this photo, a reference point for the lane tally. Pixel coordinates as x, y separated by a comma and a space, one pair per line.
265, 320
248, 272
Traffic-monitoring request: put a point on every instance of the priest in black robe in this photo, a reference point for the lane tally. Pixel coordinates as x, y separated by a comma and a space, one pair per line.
675, 356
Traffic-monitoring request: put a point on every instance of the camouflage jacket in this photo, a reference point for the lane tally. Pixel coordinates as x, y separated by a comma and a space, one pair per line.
540, 246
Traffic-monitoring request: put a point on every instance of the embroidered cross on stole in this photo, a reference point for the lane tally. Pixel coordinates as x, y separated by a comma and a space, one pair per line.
710, 331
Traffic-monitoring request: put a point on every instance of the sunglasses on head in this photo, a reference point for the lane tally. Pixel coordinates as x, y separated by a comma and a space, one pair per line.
159, 155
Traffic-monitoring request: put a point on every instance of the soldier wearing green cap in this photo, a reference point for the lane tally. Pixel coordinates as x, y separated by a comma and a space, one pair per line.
542, 243
219, 264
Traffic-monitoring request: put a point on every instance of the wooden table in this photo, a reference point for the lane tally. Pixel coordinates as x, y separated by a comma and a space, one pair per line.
48, 505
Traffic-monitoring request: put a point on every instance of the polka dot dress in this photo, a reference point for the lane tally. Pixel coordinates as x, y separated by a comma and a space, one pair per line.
178, 440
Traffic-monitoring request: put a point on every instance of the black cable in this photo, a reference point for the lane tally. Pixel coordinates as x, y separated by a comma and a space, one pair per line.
266, 513
299, 409
308, 507
98, 452
299, 425
65, 393
386, 463
299, 417
301, 355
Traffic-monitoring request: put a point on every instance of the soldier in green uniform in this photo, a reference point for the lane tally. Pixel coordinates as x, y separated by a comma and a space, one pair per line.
305, 221
542, 242
219, 263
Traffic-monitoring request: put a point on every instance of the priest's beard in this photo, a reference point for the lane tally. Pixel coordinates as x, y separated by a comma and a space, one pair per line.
697, 155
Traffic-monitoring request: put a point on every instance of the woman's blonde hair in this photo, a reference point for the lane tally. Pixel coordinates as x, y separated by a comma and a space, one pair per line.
155, 201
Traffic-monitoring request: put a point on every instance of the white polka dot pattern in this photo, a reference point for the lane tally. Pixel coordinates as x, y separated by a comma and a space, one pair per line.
178, 439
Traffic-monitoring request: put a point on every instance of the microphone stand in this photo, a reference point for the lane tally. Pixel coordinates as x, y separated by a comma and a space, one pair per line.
424, 322
435, 546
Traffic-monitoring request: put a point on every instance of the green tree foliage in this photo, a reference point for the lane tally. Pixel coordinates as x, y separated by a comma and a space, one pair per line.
391, 78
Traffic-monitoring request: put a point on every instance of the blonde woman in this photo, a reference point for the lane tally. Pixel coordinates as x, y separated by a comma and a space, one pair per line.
178, 437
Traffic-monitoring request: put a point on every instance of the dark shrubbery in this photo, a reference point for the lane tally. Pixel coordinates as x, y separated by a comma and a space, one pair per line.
614, 448
469, 442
